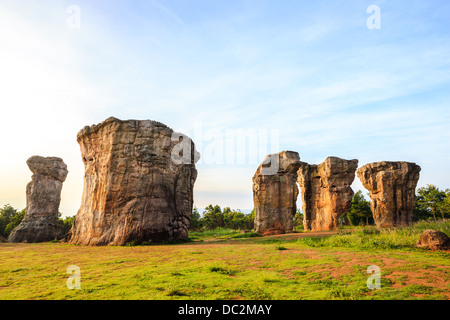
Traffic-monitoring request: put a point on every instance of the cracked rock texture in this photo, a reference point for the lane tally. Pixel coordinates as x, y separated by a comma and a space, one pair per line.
326, 192
138, 183
275, 193
392, 189
41, 221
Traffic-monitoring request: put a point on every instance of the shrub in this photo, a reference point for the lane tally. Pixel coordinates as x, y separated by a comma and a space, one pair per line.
10, 218
66, 224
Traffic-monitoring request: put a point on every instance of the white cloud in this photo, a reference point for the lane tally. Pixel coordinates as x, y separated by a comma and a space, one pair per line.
314, 76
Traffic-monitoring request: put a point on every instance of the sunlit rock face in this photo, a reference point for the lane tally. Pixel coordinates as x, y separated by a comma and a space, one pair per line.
326, 192
41, 221
392, 190
138, 183
275, 193
434, 240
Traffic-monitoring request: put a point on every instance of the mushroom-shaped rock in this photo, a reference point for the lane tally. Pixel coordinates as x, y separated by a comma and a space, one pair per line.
392, 189
41, 221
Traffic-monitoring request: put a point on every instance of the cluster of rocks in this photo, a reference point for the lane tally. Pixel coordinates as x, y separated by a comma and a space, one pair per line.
327, 194
139, 180
138, 186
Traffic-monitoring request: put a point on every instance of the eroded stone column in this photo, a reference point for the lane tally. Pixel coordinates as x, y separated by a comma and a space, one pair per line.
392, 190
326, 192
135, 190
275, 193
41, 221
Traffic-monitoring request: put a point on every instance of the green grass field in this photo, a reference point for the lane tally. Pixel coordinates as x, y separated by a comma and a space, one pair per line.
226, 264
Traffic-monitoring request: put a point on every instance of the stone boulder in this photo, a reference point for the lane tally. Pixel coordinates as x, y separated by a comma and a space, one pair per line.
392, 189
434, 240
326, 192
41, 221
275, 193
138, 184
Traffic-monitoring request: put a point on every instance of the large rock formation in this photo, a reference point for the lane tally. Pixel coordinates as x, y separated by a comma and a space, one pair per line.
138, 183
275, 193
326, 192
391, 188
41, 221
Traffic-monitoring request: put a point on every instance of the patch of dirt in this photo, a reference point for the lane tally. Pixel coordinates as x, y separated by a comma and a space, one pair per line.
426, 278
400, 279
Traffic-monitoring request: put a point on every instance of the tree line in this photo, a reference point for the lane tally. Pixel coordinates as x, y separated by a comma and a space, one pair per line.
431, 203
214, 217
11, 217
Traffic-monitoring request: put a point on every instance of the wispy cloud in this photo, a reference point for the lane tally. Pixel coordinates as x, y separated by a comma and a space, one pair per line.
311, 70
169, 12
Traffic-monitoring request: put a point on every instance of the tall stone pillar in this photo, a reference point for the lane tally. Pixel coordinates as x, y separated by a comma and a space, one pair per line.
326, 192
41, 221
392, 190
275, 193
138, 183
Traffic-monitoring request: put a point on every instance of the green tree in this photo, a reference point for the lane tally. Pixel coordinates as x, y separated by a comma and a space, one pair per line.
14, 222
431, 201
196, 222
237, 220
66, 224
360, 213
9, 219
250, 220
298, 218
5, 216
446, 204
227, 216
212, 217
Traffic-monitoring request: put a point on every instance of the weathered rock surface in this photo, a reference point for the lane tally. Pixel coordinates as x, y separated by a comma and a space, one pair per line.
275, 193
434, 240
138, 183
391, 188
326, 192
43, 193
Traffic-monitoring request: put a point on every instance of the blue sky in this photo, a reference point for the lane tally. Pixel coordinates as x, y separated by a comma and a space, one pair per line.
309, 71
